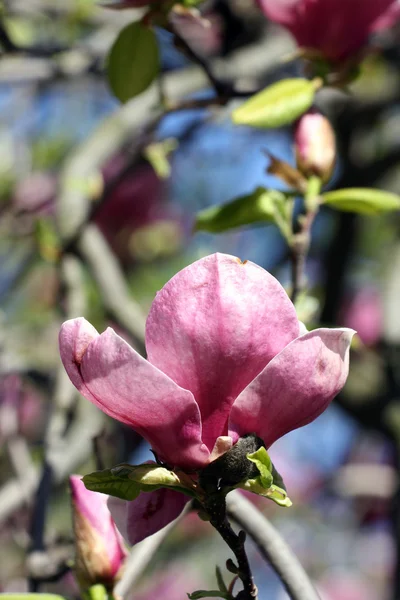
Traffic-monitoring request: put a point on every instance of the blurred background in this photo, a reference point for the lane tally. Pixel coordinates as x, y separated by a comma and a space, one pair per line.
88, 227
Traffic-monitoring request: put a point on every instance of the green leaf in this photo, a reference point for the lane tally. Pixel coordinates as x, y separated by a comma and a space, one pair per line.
262, 206
47, 240
269, 483
133, 61
127, 481
264, 464
365, 201
221, 583
277, 105
107, 483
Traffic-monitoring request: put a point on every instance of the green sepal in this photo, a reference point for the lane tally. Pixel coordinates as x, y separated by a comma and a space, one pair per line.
96, 592
262, 206
269, 483
133, 62
366, 201
127, 481
279, 104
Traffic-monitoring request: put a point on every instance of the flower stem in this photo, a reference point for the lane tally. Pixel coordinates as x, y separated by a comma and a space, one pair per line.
215, 506
300, 241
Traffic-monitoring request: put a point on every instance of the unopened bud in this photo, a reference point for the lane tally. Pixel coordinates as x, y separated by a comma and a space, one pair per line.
315, 146
99, 548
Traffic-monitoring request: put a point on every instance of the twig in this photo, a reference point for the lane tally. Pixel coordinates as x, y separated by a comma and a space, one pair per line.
220, 88
111, 282
272, 547
215, 507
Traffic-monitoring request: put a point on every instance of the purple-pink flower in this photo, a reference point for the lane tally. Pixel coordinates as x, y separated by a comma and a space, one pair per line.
338, 29
226, 356
100, 550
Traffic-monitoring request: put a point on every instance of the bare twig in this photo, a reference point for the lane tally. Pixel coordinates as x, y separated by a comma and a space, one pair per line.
272, 547
111, 282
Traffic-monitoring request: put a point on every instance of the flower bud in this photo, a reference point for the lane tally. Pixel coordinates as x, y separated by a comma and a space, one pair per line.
99, 548
315, 145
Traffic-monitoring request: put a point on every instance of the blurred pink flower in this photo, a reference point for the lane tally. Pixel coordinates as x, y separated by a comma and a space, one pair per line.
225, 357
363, 312
342, 586
315, 145
100, 550
338, 29
21, 408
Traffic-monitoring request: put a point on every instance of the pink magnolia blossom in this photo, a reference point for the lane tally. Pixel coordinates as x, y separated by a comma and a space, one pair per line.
338, 29
363, 311
225, 356
100, 550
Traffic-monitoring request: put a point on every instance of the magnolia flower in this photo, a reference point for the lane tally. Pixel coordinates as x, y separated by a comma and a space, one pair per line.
226, 356
336, 28
100, 550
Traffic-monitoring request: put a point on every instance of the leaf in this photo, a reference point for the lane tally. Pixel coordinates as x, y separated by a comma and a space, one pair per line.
262, 206
264, 465
269, 483
365, 201
221, 583
107, 483
127, 481
277, 105
47, 239
133, 61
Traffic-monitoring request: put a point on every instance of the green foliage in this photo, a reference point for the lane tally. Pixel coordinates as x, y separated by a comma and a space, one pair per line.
277, 105
269, 483
46, 239
127, 481
133, 62
262, 206
365, 201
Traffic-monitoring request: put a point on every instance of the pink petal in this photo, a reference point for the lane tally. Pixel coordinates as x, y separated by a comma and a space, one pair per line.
150, 512
112, 375
213, 327
296, 386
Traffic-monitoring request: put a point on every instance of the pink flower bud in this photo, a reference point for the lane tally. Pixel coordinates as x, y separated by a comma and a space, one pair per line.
315, 145
100, 550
